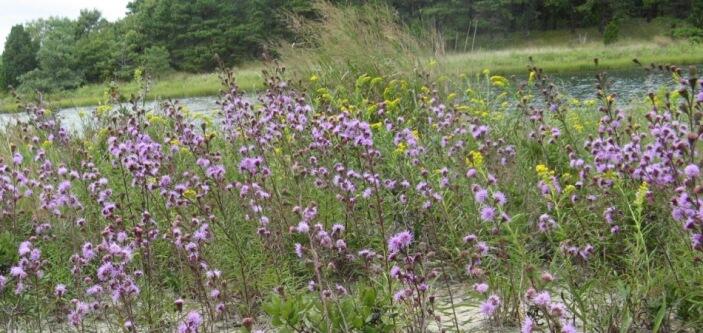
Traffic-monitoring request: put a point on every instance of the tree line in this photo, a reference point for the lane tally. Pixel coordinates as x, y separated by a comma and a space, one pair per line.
186, 35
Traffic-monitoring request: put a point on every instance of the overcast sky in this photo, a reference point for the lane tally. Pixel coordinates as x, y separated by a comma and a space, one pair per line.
20, 11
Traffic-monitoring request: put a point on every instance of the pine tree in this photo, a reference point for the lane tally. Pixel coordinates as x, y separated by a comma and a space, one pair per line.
19, 57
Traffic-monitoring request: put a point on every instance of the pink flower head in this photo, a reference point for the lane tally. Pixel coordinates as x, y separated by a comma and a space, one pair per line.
489, 307
17, 158
543, 299
400, 241
60, 290
568, 328
488, 213
303, 228
191, 323
298, 250
24, 248
692, 171
527, 325
481, 287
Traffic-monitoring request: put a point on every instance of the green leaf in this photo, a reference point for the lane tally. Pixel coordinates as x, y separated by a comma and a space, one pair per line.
369, 297
660, 317
626, 321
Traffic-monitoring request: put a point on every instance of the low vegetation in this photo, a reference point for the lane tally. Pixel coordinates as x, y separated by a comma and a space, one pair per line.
361, 192
360, 210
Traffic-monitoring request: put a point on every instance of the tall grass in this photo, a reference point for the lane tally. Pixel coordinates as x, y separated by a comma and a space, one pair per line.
346, 42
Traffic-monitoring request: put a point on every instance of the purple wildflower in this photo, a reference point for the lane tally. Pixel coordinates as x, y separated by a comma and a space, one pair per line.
543, 299
488, 213
527, 325
568, 328
191, 323
60, 290
298, 250
481, 287
489, 307
400, 241
692, 171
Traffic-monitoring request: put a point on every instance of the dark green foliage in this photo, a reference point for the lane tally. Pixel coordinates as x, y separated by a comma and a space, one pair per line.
156, 61
8, 250
19, 57
2, 79
611, 32
695, 35
195, 31
59, 65
696, 16
95, 42
363, 312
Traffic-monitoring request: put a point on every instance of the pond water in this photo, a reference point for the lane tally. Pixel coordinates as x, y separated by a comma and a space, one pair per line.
627, 84
70, 117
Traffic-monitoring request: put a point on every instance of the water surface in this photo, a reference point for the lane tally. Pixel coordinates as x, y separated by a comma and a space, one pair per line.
627, 84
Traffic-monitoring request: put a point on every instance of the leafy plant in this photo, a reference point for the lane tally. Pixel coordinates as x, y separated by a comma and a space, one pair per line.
362, 312
611, 32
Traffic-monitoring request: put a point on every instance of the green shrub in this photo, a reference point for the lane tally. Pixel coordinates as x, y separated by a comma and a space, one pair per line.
50, 80
156, 61
362, 312
695, 35
611, 32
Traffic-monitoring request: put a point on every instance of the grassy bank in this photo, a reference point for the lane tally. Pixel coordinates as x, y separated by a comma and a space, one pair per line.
177, 85
563, 59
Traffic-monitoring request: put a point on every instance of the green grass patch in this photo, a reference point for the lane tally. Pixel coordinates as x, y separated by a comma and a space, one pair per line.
559, 59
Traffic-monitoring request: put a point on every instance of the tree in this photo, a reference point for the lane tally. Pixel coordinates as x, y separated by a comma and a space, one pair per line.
194, 31
696, 14
89, 21
155, 61
2, 79
610, 35
58, 64
19, 57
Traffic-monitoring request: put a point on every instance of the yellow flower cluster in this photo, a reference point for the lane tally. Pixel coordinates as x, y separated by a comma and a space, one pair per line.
475, 159
499, 81
569, 189
641, 194
544, 173
542, 169
103, 109
400, 148
392, 105
190, 194
155, 119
